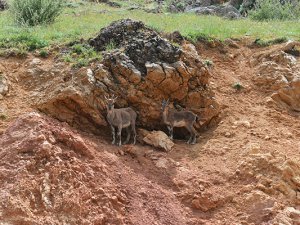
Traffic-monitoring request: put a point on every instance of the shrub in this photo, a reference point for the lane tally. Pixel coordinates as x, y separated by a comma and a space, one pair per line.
275, 10
36, 12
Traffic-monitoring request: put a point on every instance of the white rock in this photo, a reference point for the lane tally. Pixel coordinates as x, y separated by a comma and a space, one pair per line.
159, 139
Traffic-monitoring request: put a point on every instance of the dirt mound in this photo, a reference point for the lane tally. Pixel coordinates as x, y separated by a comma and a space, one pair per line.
50, 174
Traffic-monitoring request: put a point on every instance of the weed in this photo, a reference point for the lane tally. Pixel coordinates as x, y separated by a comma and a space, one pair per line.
208, 63
44, 53
237, 86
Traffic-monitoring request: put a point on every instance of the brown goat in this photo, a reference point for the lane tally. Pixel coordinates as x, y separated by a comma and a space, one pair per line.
179, 119
120, 118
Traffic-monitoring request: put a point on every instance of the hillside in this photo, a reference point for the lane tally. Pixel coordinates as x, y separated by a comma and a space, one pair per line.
57, 163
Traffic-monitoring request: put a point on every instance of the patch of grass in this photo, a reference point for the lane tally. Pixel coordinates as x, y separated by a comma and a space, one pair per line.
23, 42
110, 46
86, 21
264, 43
80, 55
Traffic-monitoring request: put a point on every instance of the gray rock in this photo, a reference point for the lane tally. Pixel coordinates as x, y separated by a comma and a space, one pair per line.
227, 11
141, 43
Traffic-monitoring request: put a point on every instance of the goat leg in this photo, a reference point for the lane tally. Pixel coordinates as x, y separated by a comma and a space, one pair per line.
113, 134
170, 128
134, 133
128, 136
119, 135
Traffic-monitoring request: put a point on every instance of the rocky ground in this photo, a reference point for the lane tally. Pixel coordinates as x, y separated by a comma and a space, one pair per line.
243, 170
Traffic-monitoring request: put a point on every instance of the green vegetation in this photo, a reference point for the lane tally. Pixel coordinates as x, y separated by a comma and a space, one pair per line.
35, 12
238, 86
274, 10
44, 53
208, 63
110, 46
85, 21
264, 43
3, 116
81, 55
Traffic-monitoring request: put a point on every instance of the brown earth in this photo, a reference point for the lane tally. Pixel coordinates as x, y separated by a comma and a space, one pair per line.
246, 170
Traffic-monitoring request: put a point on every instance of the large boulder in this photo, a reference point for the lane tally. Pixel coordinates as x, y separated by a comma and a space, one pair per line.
277, 70
186, 5
143, 70
227, 11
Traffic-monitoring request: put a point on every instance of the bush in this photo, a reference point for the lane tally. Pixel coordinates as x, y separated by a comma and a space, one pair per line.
275, 10
36, 12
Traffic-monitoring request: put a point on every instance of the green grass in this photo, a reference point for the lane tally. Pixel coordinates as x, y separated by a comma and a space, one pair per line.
85, 21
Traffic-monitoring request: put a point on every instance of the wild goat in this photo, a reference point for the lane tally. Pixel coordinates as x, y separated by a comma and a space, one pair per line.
120, 118
179, 119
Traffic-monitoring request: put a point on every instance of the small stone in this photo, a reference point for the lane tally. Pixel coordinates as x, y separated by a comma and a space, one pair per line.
162, 163
227, 134
121, 152
35, 62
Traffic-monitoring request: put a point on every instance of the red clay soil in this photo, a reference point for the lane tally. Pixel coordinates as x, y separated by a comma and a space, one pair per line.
244, 171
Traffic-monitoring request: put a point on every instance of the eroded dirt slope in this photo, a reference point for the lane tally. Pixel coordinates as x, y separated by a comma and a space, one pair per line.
246, 170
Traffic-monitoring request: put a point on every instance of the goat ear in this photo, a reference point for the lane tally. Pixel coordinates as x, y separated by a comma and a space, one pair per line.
106, 98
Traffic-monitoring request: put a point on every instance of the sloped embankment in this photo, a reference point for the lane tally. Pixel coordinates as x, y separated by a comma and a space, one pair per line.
50, 174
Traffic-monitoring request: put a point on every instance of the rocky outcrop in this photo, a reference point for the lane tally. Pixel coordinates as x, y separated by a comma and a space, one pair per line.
227, 11
280, 175
143, 70
141, 44
278, 71
185, 5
